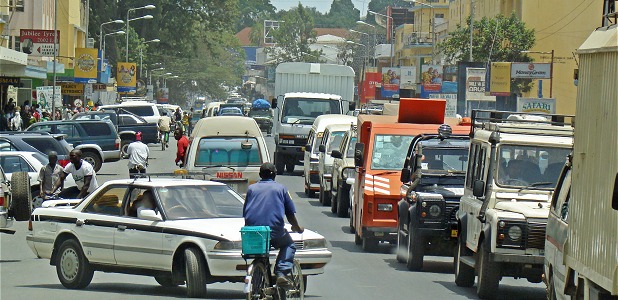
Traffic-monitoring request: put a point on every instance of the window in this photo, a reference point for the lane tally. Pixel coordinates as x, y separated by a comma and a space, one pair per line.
41, 128
522, 165
227, 151
438, 16
200, 202
108, 202
14, 163
16, 5
350, 152
127, 120
136, 199
46, 144
68, 129
304, 110
97, 129
6, 146
334, 141
389, 151
143, 111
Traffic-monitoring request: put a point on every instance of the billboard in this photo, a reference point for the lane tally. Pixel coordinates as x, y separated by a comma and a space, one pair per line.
38, 42
163, 95
86, 65
500, 79
408, 78
531, 70
372, 79
44, 96
431, 79
391, 77
125, 76
451, 103
475, 85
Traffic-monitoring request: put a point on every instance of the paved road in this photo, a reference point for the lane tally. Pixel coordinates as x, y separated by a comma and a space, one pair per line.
352, 273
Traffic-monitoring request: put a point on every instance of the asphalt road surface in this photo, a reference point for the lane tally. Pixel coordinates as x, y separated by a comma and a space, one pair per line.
351, 274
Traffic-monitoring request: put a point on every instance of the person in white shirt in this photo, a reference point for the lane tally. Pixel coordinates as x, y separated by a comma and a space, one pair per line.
83, 174
164, 125
138, 156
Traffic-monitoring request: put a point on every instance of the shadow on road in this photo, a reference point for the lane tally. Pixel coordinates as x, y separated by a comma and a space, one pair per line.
429, 266
506, 292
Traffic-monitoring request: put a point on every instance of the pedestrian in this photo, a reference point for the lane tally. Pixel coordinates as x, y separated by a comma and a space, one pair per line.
49, 175
138, 156
266, 205
83, 173
177, 115
4, 123
16, 122
164, 125
182, 145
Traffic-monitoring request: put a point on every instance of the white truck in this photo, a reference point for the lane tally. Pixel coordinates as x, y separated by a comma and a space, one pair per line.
581, 249
305, 91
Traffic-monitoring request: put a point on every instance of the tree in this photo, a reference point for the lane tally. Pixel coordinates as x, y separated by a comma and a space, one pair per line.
498, 39
294, 37
379, 5
342, 14
252, 11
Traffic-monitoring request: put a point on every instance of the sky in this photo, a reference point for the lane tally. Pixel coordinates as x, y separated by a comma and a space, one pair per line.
321, 5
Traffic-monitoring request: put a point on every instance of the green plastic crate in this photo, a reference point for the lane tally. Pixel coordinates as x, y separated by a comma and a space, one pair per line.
255, 240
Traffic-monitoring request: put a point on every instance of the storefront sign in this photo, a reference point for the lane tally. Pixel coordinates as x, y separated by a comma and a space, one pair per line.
536, 105
531, 70
451, 103
85, 64
14, 81
39, 42
73, 89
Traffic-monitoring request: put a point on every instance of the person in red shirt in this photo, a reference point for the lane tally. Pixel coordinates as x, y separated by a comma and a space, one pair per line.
183, 145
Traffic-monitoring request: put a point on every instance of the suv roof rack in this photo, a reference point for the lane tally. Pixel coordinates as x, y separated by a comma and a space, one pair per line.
522, 123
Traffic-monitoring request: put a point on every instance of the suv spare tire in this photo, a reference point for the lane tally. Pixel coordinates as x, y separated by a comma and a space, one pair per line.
21, 196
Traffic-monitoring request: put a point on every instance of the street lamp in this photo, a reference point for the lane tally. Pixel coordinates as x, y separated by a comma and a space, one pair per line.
101, 30
433, 27
391, 31
375, 42
149, 6
141, 54
152, 71
103, 46
165, 80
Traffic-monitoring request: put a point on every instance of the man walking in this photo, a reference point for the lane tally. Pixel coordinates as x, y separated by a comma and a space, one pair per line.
138, 156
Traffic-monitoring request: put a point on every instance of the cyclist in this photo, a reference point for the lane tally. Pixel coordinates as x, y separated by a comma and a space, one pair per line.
164, 124
266, 205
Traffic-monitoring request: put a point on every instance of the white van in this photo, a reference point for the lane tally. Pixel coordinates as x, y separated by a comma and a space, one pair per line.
231, 154
146, 110
312, 178
331, 140
213, 109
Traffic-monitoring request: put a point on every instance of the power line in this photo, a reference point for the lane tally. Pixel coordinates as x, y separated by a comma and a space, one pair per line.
562, 18
565, 25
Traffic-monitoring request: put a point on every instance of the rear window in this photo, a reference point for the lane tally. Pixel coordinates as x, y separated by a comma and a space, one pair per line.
46, 144
144, 111
227, 152
97, 129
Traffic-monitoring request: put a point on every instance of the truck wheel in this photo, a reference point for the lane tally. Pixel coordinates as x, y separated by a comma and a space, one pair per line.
464, 274
402, 248
279, 164
416, 249
370, 244
352, 229
290, 166
93, 159
22, 196
489, 274
72, 267
333, 202
357, 239
195, 273
321, 196
326, 199
343, 202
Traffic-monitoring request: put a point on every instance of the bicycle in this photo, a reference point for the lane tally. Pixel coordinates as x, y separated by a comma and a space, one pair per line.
260, 282
164, 137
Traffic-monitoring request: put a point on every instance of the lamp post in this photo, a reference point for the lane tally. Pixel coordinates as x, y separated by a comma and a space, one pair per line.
149, 6
103, 46
375, 42
551, 68
152, 71
141, 54
165, 80
101, 42
391, 31
433, 28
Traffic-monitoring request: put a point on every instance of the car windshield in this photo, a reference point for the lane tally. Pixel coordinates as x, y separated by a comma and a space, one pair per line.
227, 151
389, 151
525, 166
439, 156
200, 202
334, 140
350, 152
230, 111
305, 110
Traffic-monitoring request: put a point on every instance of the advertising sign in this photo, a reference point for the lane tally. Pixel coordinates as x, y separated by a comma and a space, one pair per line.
38, 42
536, 105
451, 103
431, 79
163, 95
372, 79
72, 89
125, 76
500, 79
44, 96
475, 85
531, 70
85, 64
408, 78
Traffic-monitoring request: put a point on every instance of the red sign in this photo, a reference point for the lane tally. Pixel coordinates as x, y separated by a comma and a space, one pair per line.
38, 36
372, 79
229, 175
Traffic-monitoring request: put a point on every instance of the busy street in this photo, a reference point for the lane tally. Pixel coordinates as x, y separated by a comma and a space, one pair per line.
351, 273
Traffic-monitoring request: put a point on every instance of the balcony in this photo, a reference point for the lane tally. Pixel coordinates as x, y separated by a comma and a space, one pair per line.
417, 40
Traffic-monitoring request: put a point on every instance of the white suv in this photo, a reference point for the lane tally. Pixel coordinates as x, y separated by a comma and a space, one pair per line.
331, 140
343, 169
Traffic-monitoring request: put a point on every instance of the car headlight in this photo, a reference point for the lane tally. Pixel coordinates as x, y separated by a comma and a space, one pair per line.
435, 210
315, 243
228, 245
514, 233
348, 173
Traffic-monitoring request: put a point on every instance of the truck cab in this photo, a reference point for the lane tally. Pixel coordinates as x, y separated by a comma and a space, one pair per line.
294, 117
514, 163
380, 152
432, 177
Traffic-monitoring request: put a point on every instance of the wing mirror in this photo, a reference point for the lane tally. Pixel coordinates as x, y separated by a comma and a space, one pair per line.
351, 106
322, 148
359, 150
149, 214
273, 104
405, 175
336, 154
478, 189
308, 148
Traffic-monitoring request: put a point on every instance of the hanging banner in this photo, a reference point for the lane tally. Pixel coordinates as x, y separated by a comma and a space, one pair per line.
531, 70
408, 78
125, 76
536, 105
500, 79
86, 65
475, 85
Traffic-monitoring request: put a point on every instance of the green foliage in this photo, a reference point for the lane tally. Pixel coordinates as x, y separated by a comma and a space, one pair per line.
380, 5
252, 11
294, 36
342, 14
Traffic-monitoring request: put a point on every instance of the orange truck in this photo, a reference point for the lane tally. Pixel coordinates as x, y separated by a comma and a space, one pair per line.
379, 156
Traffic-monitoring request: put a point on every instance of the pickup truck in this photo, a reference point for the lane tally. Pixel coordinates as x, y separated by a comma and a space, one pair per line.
127, 124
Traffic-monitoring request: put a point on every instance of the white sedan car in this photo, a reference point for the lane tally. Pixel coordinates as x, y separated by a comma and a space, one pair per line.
192, 236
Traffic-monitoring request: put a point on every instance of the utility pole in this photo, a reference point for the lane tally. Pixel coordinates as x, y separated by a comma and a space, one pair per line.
53, 105
471, 26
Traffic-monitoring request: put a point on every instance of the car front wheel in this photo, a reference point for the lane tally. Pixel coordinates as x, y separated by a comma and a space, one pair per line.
464, 274
72, 267
93, 159
195, 273
489, 274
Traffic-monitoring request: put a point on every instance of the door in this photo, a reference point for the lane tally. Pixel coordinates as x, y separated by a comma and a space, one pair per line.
138, 242
307, 157
470, 205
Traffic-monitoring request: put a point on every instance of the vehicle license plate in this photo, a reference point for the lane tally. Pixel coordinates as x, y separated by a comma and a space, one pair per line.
454, 232
379, 234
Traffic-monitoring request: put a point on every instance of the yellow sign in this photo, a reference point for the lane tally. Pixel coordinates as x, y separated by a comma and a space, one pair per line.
86, 63
72, 89
125, 76
500, 79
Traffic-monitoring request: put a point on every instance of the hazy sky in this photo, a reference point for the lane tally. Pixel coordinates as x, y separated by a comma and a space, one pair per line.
322, 5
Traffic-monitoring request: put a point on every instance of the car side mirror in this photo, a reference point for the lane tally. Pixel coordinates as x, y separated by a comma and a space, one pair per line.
149, 214
359, 150
308, 148
336, 154
322, 148
351, 106
405, 175
615, 195
274, 103
478, 189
